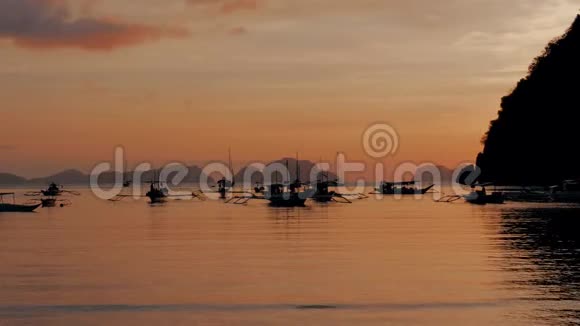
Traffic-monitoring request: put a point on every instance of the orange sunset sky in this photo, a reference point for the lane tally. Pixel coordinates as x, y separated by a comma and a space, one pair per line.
186, 79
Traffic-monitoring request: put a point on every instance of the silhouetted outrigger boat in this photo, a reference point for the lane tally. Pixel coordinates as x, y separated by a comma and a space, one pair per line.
526, 194
567, 192
481, 197
225, 187
324, 194
401, 188
278, 194
53, 190
478, 197
157, 192
8, 208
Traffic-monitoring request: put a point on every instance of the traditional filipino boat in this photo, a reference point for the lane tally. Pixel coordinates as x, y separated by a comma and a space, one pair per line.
481, 197
157, 192
279, 196
53, 190
402, 188
567, 192
7, 207
324, 194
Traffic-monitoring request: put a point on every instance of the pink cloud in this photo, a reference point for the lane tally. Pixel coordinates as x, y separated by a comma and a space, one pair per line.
47, 24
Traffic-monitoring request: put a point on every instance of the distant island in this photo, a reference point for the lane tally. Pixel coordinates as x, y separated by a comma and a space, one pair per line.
535, 138
76, 177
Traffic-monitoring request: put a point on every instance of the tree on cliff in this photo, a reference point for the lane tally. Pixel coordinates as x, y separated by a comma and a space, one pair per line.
536, 137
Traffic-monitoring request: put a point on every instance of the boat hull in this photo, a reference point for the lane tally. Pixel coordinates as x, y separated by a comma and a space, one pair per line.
10, 208
48, 202
323, 198
566, 197
282, 200
481, 199
407, 192
157, 200
296, 202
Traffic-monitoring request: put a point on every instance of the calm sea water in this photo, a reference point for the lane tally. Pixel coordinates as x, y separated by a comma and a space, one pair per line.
396, 262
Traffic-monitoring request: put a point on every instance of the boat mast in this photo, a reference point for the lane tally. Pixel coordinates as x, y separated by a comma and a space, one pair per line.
297, 168
288, 171
231, 166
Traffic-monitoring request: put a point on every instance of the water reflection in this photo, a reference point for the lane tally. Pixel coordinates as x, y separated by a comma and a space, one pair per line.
543, 255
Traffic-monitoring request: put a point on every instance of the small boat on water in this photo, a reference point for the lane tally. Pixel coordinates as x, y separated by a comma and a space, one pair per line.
324, 194
157, 193
224, 187
566, 192
477, 197
279, 196
402, 188
292, 196
526, 195
53, 190
13, 207
481, 197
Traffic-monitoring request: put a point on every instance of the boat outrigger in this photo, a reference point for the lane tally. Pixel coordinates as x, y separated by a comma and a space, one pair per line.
323, 194
7, 207
401, 188
159, 193
53, 190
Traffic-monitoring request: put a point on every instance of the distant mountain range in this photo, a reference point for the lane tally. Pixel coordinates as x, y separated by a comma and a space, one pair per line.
307, 169
76, 177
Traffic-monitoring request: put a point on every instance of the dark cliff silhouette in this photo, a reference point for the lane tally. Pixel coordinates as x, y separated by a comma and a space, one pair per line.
535, 137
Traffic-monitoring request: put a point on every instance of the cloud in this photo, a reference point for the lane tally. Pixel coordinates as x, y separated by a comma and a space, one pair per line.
227, 6
46, 24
